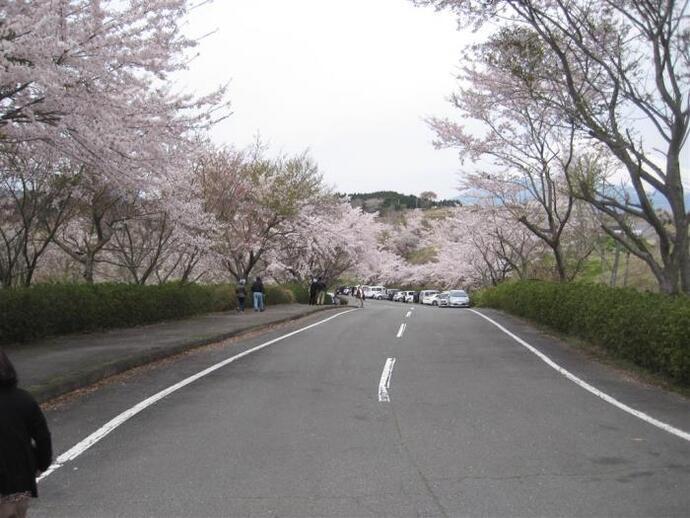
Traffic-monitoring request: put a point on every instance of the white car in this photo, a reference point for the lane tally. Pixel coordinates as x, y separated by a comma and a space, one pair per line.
427, 296
400, 296
375, 292
409, 296
441, 299
458, 299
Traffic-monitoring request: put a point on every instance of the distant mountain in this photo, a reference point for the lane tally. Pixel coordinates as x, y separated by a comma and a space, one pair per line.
382, 201
658, 200
661, 203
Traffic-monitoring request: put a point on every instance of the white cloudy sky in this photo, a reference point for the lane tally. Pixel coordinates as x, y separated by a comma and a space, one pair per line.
349, 80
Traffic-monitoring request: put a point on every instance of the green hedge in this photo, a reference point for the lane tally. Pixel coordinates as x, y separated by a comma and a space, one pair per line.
299, 290
651, 330
54, 309
279, 295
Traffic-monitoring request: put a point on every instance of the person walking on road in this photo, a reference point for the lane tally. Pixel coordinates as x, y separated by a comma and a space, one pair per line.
25, 445
258, 294
241, 292
360, 296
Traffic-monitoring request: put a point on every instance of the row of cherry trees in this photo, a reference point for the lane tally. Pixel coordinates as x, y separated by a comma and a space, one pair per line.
106, 172
96, 145
476, 245
581, 100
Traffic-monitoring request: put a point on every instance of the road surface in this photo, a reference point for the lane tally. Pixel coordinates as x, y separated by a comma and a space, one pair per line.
385, 411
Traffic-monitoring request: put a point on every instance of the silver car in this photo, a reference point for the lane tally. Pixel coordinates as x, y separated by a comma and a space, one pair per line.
458, 299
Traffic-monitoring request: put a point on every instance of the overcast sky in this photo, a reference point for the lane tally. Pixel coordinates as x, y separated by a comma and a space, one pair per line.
349, 80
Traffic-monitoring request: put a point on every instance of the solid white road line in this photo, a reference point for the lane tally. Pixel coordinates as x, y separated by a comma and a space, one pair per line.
111, 425
385, 382
409, 313
641, 415
401, 330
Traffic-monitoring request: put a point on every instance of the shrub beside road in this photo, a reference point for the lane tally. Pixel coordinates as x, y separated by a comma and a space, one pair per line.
649, 329
54, 309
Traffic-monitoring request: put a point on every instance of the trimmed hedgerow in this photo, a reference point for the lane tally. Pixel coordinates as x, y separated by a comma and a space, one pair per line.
299, 290
649, 329
55, 309
278, 295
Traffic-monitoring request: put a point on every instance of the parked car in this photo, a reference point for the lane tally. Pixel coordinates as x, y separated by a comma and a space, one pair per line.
427, 296
441, 299
375, 292
411, 296
400, 296
458, 299
390, 293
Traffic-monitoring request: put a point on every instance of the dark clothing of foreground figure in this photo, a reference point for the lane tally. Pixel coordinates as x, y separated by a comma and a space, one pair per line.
25, 445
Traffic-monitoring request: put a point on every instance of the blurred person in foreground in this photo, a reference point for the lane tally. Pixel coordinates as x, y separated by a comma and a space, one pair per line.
25, 445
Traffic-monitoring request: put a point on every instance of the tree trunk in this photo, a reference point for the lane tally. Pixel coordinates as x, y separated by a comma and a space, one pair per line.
560, 263
614, 270
88, 268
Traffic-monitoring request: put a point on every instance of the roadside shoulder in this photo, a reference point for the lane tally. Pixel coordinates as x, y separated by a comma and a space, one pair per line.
607, 375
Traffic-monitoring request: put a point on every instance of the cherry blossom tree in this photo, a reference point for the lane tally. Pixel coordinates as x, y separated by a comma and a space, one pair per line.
506, 248
92, 78
527, 147
97, 210
328, 239
256, 201
35, 192
169, 232
618, 71
403, 237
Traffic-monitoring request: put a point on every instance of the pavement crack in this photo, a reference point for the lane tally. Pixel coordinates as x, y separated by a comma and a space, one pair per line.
413, 463
613, 472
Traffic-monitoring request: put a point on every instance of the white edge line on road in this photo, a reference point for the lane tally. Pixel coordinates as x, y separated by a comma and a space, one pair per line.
385, 382
640, 415
401, 330
409, 314
111, 425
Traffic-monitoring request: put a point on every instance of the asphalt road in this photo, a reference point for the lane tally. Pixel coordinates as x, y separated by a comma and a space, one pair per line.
475, 425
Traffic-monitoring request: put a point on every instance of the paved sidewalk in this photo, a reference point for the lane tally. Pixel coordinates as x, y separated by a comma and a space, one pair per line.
52, 367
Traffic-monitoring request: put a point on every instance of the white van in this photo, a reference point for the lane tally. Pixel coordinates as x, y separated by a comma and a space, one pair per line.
375, 292
427, 296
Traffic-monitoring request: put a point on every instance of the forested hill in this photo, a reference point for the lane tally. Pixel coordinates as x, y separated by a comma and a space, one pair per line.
391, 200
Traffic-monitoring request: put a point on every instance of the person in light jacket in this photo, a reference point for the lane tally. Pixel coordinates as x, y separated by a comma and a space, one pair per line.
25, 445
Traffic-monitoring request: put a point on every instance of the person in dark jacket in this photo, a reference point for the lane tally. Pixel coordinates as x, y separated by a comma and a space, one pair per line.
320, 291
258, 293
241, 292
25, 446
313, 290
